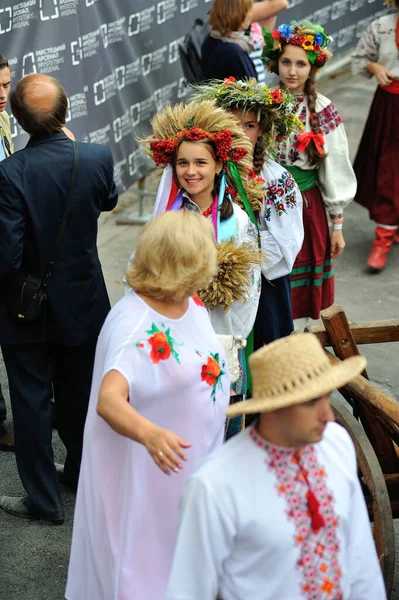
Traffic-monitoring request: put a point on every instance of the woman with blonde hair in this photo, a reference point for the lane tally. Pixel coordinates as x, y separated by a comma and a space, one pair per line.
318, 159
157, 409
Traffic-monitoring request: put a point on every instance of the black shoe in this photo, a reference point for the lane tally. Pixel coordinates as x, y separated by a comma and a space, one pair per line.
72, 484
21, 507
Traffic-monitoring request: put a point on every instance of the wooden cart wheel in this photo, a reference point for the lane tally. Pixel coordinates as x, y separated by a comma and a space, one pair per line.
377, 497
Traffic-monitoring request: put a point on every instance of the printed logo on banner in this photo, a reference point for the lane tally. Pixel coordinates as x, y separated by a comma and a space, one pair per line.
356, 4
141, 21
186, 5
47, 60
182, 88
85, 46
77, 105
166, 10
321, 16
154, 61
339, 9
138, 163
5, 19
346, 36
113, 32
174, 55
17, 16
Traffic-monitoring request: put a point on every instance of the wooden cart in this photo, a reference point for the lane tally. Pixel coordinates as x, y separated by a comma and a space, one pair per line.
373, 424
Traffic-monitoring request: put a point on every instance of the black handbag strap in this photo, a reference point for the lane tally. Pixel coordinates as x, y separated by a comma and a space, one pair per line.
67, 207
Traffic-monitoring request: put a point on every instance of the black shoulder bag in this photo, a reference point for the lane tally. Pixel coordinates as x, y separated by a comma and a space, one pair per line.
26, 293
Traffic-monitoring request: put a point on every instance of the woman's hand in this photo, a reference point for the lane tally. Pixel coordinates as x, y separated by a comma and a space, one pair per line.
337, 243
381, 73
165, 447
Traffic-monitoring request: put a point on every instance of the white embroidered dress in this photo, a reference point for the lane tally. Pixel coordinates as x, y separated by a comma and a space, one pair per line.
126, 508
378, 44
245, 531
281, 223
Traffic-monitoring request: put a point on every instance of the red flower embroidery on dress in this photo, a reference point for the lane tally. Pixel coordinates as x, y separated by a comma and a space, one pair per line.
318, 547
198, 301
211, 373
160, 348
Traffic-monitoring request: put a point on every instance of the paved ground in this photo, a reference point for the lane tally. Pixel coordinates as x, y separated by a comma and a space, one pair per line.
34, 557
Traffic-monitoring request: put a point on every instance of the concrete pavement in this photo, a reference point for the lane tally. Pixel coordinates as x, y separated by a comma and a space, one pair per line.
33, 556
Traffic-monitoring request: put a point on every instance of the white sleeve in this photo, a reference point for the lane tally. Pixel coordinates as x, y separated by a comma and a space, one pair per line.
366, 581
365, 52
337, 180
240, 318
281, 223
205, 539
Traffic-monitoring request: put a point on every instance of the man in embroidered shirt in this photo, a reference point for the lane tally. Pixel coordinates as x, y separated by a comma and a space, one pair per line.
6, 148
278, 511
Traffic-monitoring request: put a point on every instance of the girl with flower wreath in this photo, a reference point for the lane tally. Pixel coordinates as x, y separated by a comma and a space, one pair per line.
266, 115
318, 158
207, 159
377, 161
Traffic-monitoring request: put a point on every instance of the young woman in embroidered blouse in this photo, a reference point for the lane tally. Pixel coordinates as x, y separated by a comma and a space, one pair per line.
265, 115
377, 161
319, 161
207, 158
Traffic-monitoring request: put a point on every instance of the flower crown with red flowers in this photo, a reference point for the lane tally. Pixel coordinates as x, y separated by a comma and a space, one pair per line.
164, 150
308, 36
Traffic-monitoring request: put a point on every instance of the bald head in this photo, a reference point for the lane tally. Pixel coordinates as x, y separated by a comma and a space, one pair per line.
39, 103
40, 93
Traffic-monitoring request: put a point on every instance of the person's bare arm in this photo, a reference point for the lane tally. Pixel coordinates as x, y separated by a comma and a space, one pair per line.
164, 446
263, 11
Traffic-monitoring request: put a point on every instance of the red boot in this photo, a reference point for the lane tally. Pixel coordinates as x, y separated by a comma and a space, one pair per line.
381, 245
396, 237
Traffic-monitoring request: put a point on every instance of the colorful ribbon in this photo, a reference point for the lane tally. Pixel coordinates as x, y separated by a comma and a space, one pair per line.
305, 138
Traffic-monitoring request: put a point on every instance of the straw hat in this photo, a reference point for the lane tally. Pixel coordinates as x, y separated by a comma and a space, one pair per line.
293, 370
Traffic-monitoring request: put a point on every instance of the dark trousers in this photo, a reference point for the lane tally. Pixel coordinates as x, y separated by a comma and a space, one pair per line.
3, 409
34, 371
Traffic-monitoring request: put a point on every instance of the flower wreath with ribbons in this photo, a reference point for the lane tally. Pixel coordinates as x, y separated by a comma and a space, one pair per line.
164, 150
312, 38
273, 107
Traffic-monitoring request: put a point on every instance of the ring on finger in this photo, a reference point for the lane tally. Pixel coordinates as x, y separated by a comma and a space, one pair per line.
160, 453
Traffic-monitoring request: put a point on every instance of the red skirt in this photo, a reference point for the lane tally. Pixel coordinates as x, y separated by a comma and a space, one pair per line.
312, 278
377, 161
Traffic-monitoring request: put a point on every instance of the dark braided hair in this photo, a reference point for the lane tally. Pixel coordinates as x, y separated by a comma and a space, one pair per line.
315, 158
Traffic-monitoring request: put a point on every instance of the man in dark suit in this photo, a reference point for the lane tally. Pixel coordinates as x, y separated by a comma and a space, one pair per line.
57, 351
6, 148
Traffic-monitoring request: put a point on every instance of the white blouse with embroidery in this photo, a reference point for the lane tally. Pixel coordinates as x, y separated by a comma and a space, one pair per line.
281, 223
246, 532
336, 178
240, 317
378, 44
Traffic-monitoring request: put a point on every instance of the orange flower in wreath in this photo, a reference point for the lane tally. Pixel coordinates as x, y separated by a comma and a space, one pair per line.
160, 347
211, 371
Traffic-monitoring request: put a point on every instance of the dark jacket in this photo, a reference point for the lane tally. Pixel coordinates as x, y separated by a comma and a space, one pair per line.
34, 184
224, 59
